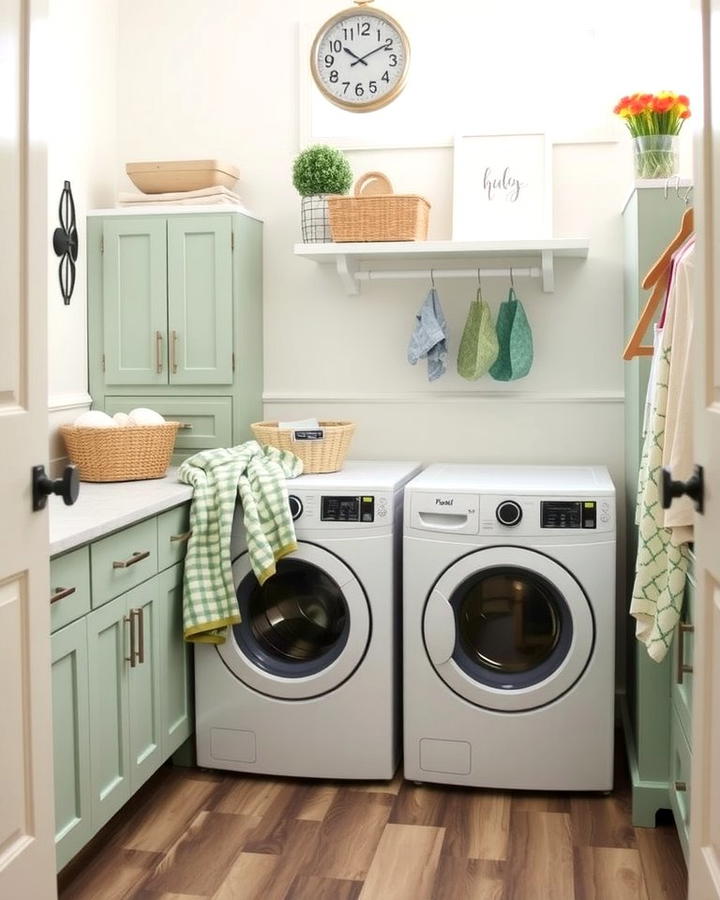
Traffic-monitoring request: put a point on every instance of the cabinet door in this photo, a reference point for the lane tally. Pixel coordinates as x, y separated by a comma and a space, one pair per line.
108, 647
200, 299
135, 300
71, 740
176, 687
144, 608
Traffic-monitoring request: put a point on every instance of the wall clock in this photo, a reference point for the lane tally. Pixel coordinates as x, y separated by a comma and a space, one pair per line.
360, 58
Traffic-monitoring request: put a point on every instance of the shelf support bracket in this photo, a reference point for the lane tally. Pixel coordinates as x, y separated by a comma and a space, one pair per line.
346, 269
548, 273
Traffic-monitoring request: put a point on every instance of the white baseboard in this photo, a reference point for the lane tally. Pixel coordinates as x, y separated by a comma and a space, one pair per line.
499, 396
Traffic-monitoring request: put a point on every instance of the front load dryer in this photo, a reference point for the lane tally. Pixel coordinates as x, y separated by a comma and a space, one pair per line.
308, 684
509, 627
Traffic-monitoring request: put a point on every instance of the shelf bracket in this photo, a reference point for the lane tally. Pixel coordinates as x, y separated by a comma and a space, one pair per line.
346, 269
548, 273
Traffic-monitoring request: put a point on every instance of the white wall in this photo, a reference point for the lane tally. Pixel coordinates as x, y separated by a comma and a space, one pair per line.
227, 80
82, 148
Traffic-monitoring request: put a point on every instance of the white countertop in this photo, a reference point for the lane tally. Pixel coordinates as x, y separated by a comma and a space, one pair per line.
103, 508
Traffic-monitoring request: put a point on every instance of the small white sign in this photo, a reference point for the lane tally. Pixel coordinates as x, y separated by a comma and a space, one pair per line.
315, 434
502, 187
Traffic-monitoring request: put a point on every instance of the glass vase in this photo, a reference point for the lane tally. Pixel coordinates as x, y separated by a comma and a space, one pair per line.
656, 155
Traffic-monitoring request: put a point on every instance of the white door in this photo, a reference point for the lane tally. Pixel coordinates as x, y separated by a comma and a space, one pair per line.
705, 816
27, 848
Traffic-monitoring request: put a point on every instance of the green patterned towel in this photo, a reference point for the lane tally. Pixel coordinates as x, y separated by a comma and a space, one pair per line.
478, 344
661, 567
258, 474
515, 341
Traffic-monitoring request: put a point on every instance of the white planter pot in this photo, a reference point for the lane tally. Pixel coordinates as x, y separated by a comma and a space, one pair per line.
315, 220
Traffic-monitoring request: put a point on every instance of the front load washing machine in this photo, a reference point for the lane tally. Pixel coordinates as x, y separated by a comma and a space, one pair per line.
509, 627
308, 684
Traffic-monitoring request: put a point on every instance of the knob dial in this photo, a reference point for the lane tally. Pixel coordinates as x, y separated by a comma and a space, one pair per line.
508, 513
296, 507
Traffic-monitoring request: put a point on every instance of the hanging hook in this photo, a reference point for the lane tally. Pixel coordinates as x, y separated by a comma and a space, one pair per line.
432, 278
479, 290
689, 191
667, 185
512, 282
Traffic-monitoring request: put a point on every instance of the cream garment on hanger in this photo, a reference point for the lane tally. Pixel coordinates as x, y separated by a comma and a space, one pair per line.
678, 454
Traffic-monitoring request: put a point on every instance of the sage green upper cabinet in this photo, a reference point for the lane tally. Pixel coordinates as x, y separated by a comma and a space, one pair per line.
134, 290
200, 299
175, 318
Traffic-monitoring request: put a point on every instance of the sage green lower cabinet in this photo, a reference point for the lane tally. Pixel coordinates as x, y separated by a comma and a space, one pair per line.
71, 740
177, 694
121, 679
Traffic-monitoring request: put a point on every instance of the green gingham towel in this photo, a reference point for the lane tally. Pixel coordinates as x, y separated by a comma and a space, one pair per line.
258, 474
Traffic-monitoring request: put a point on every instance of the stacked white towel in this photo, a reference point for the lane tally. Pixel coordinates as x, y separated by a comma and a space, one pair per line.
211, 196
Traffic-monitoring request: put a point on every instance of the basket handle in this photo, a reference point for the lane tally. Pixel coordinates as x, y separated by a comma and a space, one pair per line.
371, 184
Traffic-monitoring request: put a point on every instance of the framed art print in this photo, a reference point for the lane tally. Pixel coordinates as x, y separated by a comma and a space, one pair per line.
502, 187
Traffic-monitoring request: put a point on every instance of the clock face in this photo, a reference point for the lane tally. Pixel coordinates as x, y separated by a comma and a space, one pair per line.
360, 60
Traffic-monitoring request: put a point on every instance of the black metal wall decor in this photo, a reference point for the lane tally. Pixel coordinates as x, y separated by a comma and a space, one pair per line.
65, 243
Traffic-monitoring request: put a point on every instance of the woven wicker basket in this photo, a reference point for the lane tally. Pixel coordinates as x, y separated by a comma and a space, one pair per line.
125, 453
376, 214
326, 455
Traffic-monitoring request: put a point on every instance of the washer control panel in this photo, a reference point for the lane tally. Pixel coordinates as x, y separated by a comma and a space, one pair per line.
347, 509
568, 514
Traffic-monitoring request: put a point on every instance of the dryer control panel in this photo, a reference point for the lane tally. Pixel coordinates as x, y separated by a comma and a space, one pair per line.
347, 509
568, 514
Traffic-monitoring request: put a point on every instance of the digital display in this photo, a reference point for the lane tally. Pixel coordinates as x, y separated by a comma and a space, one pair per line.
568, 514
347, 509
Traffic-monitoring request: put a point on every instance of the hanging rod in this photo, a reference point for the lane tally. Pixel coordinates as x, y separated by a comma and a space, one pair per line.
378, 274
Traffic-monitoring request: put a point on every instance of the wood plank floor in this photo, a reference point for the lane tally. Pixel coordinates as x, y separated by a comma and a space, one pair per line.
195, 835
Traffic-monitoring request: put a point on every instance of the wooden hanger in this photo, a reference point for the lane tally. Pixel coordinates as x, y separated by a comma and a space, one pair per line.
657, 278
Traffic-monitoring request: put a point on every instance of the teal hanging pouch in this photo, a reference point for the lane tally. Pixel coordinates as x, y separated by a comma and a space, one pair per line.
515, 341
478, 344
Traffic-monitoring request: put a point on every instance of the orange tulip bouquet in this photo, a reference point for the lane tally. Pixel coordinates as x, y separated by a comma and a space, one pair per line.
654, 121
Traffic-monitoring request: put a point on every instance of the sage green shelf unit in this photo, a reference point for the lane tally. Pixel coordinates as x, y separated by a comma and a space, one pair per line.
651, 219
175, 320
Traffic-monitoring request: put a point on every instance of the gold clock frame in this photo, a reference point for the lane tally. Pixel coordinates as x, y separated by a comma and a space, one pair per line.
322, 31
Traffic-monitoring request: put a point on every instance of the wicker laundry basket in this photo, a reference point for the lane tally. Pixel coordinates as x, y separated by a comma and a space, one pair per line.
376, 214
324, 455
125, 453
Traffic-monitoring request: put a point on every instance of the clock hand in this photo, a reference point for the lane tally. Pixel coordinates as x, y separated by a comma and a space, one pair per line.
355, 56
385, 46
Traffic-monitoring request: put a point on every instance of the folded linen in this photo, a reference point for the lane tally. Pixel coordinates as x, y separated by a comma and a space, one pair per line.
214, 190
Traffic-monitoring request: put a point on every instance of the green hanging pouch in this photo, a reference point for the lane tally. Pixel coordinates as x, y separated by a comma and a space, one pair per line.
514, 336
478, 344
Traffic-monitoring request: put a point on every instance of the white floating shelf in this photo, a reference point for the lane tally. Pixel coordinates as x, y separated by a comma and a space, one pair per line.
354, 262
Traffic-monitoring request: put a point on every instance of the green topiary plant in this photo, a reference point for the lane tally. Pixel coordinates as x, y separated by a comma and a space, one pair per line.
321, 170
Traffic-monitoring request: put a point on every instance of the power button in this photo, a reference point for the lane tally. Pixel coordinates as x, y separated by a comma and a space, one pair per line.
296, 507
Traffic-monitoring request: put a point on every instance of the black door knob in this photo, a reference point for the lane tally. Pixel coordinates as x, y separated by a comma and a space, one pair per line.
67, 487
694, 487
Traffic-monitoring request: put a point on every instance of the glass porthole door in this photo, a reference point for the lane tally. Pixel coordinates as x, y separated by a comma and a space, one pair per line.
304, 631
508, 629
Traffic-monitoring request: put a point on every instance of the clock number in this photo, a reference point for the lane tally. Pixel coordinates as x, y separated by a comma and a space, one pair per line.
334, 76
329, 61
364, 29
349, 36
373, 87
378, 34
393, 60
336, 46
388, 44
359, 90
346, 85
385, 77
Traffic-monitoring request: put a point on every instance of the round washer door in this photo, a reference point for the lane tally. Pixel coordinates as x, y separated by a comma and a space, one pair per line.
508, 629
304, 632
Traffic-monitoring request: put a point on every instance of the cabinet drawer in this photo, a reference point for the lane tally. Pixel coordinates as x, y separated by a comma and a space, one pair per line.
69, 587
207, 421
173, 534
123, 560
680, 765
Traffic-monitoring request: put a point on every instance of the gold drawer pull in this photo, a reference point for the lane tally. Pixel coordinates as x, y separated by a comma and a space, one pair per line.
173, 352
680, 786
682, 667
180, 538
158, 352
139, 615
61, 594
135, 558
184, 426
